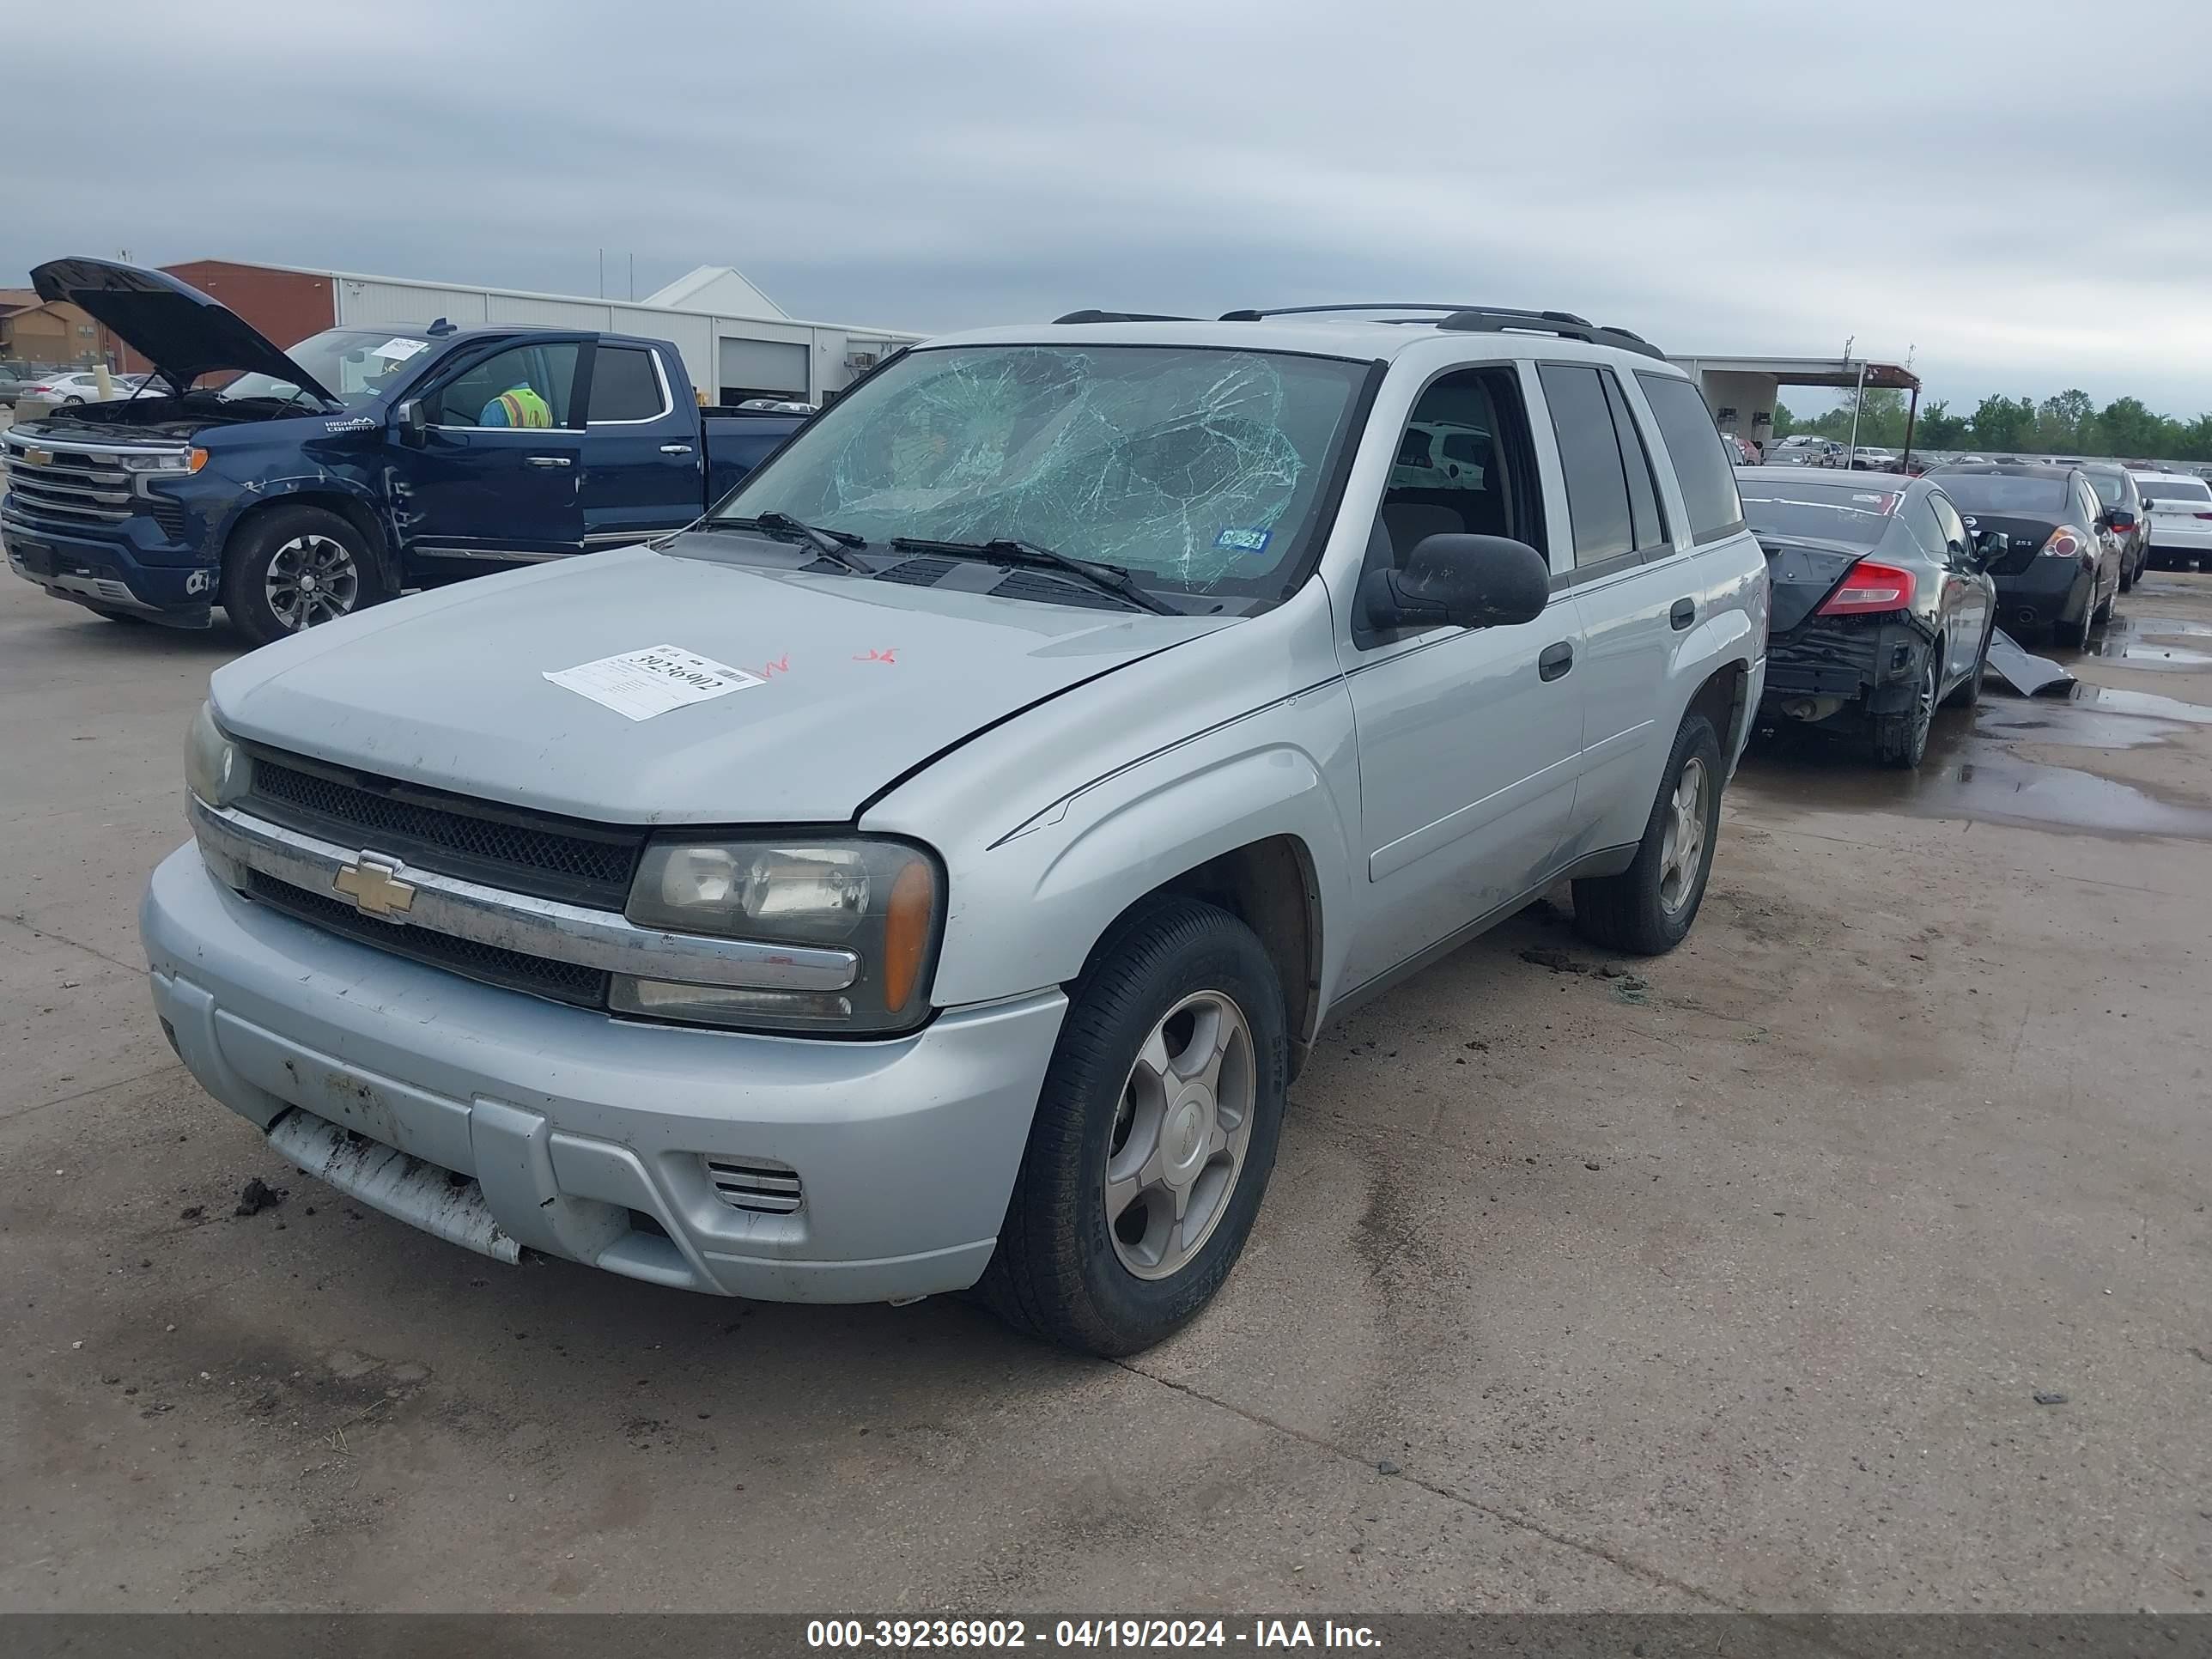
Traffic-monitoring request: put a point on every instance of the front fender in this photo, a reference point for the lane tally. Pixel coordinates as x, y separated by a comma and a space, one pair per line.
1027, 909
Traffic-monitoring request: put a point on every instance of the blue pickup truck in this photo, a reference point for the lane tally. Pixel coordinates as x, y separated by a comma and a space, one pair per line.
291, 488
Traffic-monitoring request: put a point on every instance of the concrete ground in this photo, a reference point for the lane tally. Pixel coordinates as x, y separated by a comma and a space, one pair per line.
1739, 1289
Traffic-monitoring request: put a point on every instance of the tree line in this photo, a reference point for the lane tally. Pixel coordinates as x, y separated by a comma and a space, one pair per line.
2068, 423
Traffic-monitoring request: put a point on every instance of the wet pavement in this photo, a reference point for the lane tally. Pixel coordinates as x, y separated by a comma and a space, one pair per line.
1854, 1256
1976, 768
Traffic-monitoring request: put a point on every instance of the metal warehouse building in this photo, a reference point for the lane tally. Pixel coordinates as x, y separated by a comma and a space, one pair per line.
736, 342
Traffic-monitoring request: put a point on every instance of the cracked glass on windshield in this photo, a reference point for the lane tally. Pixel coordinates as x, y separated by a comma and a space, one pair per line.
1194, 469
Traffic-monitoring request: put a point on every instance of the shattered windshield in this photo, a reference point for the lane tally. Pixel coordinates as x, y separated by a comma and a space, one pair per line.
1192, 468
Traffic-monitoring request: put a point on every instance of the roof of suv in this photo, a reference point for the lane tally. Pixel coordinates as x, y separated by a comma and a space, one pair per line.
1362, 338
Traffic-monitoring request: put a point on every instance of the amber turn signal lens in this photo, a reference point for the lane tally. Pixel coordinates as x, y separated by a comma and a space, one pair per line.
196, 460
906, 931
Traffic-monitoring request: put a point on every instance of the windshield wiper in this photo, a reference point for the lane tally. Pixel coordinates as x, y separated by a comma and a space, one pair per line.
1005, 550
830, 543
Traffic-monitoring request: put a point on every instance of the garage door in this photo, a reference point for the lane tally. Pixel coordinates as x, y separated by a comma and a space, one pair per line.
761, 368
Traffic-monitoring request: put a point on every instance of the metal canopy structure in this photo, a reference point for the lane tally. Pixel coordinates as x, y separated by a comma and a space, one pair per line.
1723, 378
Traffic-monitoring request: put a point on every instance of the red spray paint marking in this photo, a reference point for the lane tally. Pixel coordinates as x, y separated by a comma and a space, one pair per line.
769, 670
890, 656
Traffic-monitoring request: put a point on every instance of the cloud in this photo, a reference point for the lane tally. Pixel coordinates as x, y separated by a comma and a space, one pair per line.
1960, 180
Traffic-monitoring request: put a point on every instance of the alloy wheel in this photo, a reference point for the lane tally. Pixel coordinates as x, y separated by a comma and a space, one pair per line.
311, 579
1180, 1134
1682, 850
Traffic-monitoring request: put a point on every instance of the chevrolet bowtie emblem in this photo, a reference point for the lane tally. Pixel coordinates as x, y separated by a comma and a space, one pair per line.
374, 885
38, 457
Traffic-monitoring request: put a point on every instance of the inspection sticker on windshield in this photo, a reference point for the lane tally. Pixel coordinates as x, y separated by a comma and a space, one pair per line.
1234, 540
639, 684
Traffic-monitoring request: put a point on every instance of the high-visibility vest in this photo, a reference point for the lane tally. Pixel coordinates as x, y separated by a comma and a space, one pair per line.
524, 407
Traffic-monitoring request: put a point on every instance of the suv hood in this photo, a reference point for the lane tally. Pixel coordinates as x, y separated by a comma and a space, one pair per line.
863, 681
183, 332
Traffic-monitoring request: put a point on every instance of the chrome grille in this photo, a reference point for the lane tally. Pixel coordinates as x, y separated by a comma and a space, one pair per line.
761, 1189
506, 847
563, 982
75, 487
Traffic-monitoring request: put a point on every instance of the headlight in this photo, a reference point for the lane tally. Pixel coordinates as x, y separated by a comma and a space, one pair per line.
882, 900
187, 460
215, 768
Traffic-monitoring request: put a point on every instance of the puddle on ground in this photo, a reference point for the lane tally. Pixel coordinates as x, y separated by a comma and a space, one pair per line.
2149, 642
2148, 704
2148, 654
1968, 775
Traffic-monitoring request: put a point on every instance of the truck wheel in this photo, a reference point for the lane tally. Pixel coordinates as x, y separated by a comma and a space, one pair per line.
293, 568
1649, 907
1154, 1136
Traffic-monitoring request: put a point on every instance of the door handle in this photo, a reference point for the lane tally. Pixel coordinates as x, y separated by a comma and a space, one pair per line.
676, 449
1555, 660
1684, 613
548, 460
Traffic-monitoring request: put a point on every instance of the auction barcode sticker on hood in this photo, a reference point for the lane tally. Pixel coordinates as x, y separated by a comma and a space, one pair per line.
639, 684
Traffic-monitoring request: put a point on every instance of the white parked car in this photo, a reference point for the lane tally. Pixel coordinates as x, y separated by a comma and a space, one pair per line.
77, 387
2180, 509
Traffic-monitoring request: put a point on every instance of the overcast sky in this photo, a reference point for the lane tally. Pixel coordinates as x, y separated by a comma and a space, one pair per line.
2016, 192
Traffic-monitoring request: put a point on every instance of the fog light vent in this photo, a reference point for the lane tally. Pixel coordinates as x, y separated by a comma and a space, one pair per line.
762, 1188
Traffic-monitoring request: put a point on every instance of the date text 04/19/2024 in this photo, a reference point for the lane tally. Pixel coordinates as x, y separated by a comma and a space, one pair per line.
1008, 1634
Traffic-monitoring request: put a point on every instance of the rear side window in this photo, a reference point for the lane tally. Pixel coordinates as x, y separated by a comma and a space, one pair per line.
1701, 466
624, 386
1590, 456
1644, 506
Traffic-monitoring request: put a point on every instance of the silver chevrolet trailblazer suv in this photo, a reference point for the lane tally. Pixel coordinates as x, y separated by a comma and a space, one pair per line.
930, 868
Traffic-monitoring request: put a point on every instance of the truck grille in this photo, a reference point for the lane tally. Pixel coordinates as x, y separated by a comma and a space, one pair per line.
563, 982
71, 487
538, 854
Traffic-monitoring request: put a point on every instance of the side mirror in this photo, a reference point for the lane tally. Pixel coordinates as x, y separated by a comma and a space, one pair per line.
2120, 518
1459, 581
1991, 545
412, 421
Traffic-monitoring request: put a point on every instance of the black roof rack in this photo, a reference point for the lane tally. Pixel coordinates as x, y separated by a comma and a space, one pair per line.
1088, 316
1257, 315
1494, 319
1491, 319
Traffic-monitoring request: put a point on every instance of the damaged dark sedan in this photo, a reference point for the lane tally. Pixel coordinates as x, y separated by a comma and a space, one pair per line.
1881, 608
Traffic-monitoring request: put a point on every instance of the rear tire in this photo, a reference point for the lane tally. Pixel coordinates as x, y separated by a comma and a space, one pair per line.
1083, 1258
1901, 741
295, 567
1648, 908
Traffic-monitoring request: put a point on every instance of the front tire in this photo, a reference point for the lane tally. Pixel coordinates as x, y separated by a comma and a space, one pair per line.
1154, 1136
294, 567
1647, 909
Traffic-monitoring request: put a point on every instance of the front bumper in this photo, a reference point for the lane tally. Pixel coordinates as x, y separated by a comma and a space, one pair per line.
507, 1123
133, 565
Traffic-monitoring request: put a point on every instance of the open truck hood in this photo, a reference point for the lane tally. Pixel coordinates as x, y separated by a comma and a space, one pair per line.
863, 681
183, 332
